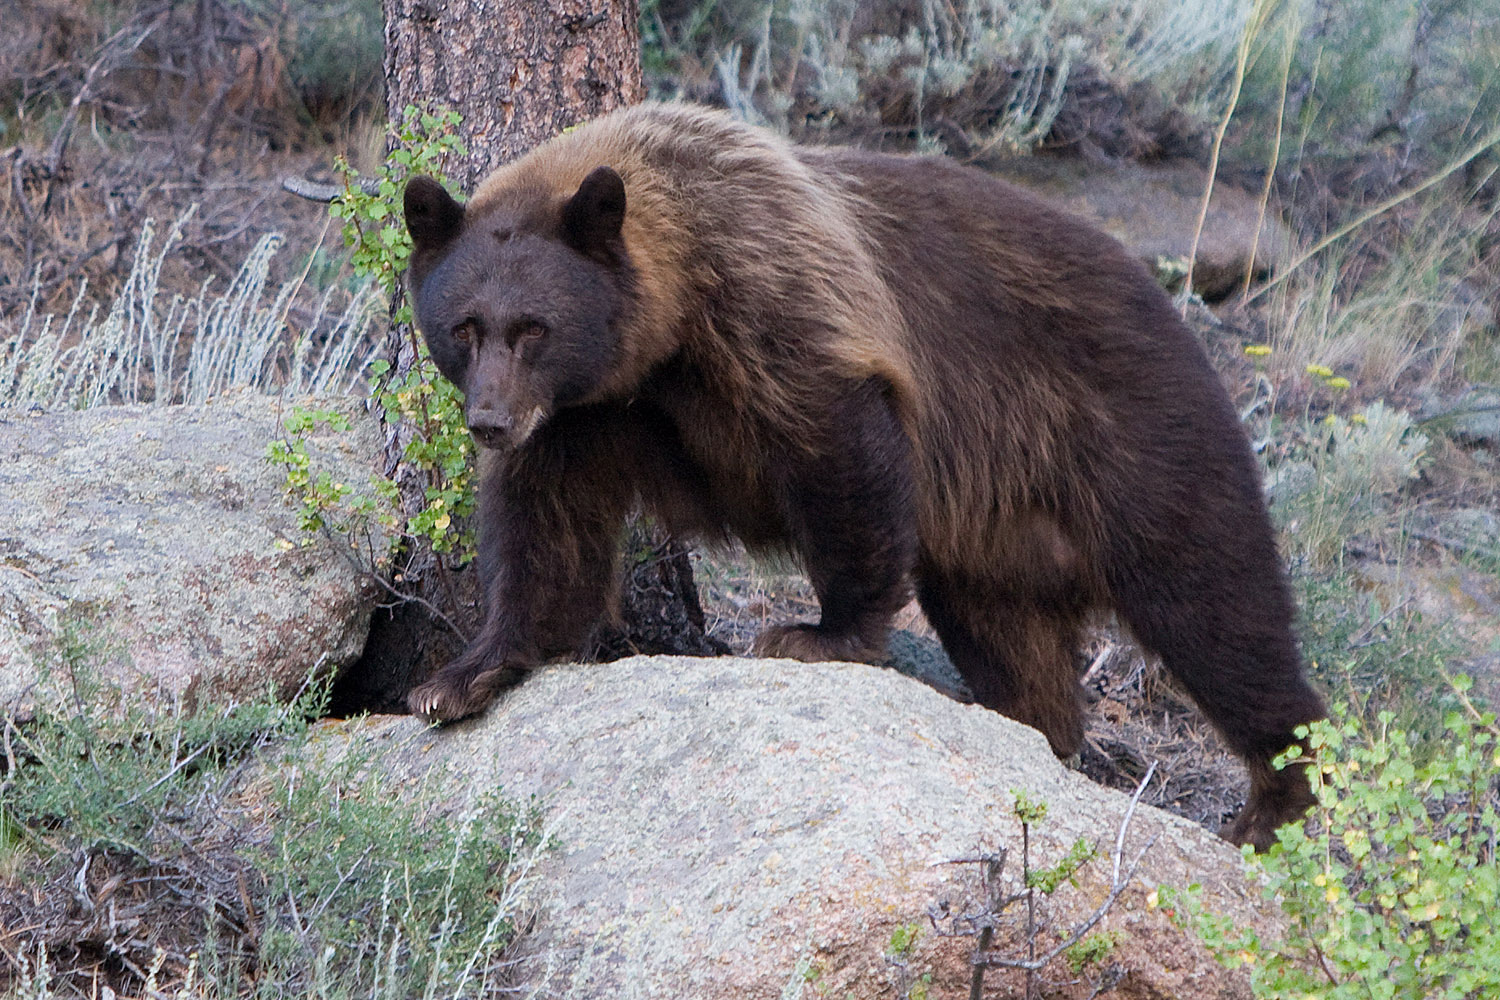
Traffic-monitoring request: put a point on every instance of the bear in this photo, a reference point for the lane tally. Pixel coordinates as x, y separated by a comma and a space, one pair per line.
908, 374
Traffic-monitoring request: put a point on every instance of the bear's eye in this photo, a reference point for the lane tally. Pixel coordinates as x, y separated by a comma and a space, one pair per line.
523, 332
464, 332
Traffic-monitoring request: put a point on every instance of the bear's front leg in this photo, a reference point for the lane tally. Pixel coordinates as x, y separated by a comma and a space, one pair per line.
550, 516
849, 503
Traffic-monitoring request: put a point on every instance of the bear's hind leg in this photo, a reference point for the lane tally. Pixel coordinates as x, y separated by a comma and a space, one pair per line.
1222, 625
1015, 654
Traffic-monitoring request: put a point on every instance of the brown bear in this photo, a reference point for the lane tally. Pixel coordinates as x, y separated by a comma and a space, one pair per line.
900, 369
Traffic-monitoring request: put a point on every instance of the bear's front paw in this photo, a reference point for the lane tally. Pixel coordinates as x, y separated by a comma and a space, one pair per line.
454, 694
811, 644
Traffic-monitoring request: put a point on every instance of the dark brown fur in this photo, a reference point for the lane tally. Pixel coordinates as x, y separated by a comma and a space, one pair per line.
901, 369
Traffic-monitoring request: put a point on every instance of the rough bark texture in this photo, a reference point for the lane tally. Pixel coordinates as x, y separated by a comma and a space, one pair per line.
519, 72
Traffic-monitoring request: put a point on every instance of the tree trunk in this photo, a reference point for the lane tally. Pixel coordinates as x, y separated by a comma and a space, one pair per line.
519, 72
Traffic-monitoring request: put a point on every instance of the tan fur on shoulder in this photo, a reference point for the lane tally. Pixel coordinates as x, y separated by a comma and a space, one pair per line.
692, 175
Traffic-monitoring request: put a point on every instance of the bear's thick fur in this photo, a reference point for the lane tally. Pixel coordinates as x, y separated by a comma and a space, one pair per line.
904, 371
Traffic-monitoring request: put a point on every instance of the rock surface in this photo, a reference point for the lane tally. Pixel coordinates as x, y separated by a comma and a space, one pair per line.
719, 821
1471, 417
1153, 210
1446, 590
157, 540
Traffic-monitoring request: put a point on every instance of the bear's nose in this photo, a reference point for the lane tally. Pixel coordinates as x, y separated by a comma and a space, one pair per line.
491, 426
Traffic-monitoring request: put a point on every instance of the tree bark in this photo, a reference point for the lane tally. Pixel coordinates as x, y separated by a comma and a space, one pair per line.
519, 72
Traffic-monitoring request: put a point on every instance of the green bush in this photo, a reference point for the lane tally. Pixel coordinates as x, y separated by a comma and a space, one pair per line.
370, 896
997, 70
1366, 71
419, 399
103, 772
1395, 895
255, 865
335, 51
1354, 468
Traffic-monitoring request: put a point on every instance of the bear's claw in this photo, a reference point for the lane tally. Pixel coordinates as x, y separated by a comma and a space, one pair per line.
457, 694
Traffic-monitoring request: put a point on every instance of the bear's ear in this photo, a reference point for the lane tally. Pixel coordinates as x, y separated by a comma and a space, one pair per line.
432, 216
592, 218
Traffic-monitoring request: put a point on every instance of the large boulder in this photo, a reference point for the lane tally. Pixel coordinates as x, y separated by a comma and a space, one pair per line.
1153, 210
153, 546
725, 827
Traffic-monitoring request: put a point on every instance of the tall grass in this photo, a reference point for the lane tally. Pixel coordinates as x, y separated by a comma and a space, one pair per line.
149, 346
1412, 78
1388, 313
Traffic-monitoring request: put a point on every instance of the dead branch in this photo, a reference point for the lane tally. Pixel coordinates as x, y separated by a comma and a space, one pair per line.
316, 191
983, 922
1117, 886
115, 48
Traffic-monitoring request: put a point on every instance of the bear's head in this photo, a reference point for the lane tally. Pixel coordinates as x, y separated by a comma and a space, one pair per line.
520, 304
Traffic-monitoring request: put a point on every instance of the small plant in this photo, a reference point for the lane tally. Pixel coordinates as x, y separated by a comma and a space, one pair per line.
364, 896
134, 834
115, 808
1079, 945
102, 773
378, 241
419, 398
1394, 893
319, 494
1355, 466
910, 985
1374, 452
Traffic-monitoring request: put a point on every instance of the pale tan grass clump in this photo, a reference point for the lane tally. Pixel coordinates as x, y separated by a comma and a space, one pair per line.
1394, 316
148, 346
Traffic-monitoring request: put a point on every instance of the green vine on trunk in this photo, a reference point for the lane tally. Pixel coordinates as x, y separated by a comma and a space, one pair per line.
440, 446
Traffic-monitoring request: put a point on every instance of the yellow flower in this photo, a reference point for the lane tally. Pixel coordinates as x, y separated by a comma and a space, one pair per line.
1338, 382
1358, 418
1322, 371
442, 523
1332, 895
1257, 350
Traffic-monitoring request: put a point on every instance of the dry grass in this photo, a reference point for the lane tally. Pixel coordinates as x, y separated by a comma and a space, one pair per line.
111, 114
151, 346
1395, 309
1139, 716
